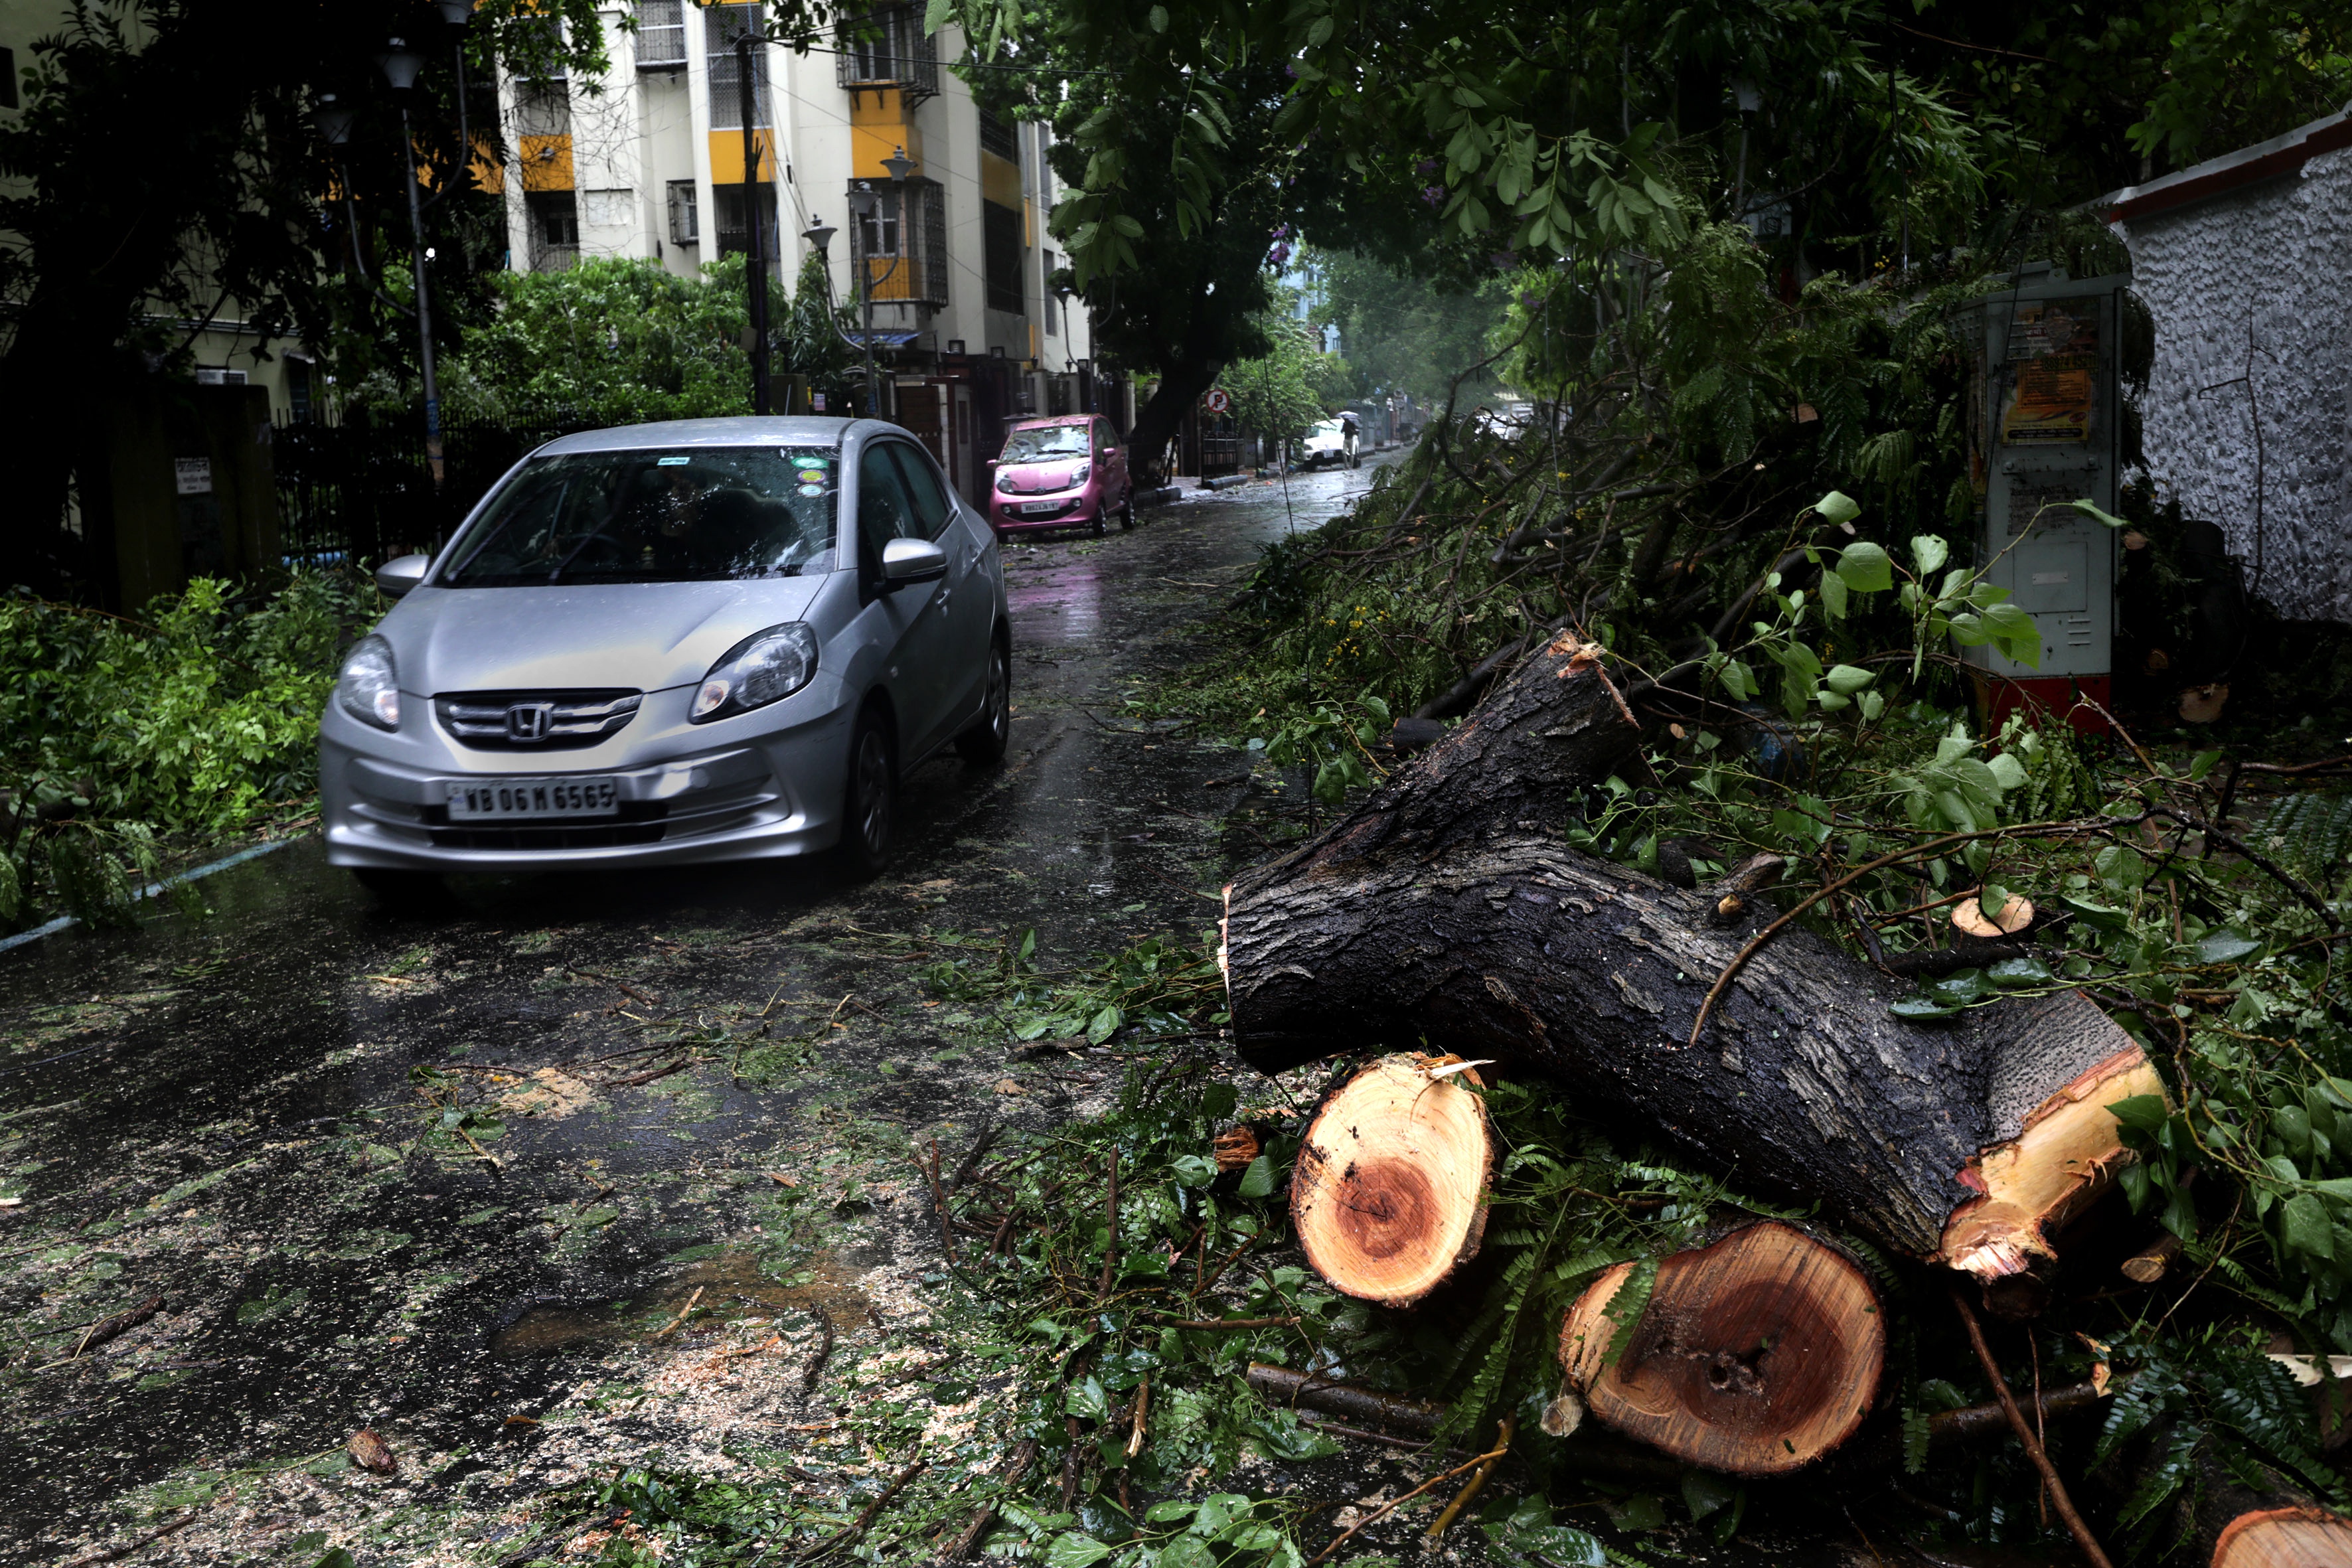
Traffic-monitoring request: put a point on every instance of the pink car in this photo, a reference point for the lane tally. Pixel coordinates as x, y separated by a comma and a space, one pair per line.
1067, 472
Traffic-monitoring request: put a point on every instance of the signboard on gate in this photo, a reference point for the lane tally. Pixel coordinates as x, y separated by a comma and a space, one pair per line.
1218, 401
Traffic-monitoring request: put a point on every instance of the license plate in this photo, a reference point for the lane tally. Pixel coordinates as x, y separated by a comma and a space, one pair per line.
517, 799
1034, 508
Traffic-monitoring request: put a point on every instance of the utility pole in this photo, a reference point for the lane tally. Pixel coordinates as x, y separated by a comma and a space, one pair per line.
424, 309
755, 271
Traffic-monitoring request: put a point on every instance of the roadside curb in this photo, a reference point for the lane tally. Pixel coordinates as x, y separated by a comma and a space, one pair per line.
1224, 481
1162, 497
155, 890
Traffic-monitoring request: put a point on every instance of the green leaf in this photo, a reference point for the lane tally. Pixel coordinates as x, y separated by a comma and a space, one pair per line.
1165, 1512
2017, 973
1703, 1492
1072, 1549
1865, 568
2202, 763
2007, 771
1915, 1441
2091, 511
2225, 946
2303, 1226
1928, 553
2102, 916
1837, 507
1833, 595
1960, 987
1185, 1551
1845, 680
1257, 1181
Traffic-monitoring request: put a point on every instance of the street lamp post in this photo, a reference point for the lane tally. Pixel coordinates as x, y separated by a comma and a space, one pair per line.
402, 64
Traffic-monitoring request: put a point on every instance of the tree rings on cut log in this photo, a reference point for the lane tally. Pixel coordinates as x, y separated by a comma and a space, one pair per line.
1968, 916
1386, 1196
1753, 1356
2285, 1538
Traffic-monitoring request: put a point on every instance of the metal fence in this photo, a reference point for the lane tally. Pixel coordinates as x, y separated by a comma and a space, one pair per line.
358, 489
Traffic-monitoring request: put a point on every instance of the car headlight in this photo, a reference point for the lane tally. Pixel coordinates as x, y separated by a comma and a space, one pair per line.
761, 669
368, 687
1004, 483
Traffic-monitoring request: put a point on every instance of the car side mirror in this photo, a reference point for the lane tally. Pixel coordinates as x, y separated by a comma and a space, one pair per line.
398, 575
992, 462
908, 561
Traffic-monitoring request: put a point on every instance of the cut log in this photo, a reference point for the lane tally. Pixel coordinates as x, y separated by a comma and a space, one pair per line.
1444, 909
1387, 1197
1754, 1356
2297, 1536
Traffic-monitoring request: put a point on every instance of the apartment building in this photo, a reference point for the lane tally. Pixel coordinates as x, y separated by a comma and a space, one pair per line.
650, 162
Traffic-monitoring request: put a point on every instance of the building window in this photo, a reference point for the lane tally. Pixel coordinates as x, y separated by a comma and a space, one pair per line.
535, 50
298, 389
661, 34
721, 26
905, 251
734, 234
554, 230
1000, 239
996, 136
543, 109
684, 220
8, 99
1047, 306
887, 47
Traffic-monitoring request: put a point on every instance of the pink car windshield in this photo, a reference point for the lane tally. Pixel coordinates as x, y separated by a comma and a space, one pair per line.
1050, 444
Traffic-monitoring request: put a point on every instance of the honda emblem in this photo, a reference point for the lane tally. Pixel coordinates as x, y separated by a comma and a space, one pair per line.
529, 721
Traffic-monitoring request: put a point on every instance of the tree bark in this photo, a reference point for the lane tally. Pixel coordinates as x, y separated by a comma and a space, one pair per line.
1388, 1193
1754, 1356
1443, 908
1181, 386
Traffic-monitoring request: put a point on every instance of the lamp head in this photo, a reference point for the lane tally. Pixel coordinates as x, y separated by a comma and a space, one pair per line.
819, 234
401, 64
456, 13
334, 120
899, 165
861, 200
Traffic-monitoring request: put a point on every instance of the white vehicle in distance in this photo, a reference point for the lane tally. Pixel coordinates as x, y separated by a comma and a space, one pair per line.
1331, 441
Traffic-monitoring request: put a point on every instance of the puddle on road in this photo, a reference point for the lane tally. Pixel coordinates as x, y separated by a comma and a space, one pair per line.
734, 1285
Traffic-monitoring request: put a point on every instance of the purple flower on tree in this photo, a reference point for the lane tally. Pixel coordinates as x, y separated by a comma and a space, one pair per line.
1432, 194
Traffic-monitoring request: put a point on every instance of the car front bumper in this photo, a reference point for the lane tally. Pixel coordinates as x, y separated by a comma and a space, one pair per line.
1069, 511
736, 790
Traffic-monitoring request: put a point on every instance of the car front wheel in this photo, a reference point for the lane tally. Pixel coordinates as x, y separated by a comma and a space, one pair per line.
870, 804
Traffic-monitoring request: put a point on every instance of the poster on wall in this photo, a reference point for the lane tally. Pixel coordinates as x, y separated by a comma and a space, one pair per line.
2053, 364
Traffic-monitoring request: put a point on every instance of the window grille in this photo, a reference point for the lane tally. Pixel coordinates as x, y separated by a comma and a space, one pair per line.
721, 26
887, 47
684, 225
906, 253
661, 34
996, 136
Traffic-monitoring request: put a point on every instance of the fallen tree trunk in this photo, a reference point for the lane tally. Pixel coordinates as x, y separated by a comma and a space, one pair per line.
1753, 1356
1387, 1196
1442, 908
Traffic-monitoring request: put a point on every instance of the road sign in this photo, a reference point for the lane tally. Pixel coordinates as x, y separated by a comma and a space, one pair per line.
1220, 401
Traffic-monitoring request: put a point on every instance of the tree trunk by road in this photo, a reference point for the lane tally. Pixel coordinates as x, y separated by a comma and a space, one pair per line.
1181, 386
1445, 908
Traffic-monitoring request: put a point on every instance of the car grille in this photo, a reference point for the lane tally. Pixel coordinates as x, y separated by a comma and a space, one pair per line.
574, 719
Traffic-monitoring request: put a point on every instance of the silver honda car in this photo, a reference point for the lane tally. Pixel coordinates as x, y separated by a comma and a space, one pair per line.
712, 639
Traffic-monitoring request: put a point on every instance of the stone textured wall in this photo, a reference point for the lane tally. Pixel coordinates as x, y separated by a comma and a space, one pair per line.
2262, 276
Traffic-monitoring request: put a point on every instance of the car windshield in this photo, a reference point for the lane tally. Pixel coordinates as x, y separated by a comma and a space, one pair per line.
1329, 428
700, 515
1045, 444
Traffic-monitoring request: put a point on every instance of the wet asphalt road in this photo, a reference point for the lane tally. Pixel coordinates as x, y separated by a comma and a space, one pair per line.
425, 1172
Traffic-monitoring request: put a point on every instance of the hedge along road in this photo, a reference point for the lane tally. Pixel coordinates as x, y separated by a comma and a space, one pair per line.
304, 1166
